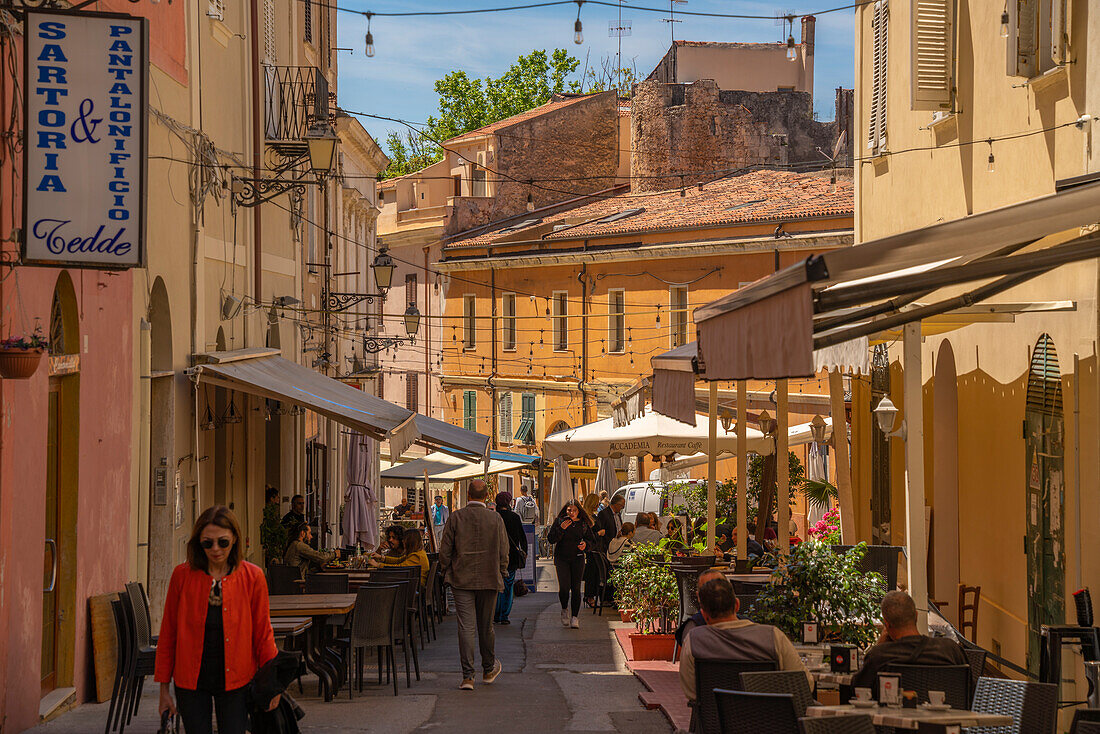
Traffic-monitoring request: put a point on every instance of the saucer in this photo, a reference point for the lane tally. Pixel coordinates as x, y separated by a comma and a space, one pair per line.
936, 707
862, 704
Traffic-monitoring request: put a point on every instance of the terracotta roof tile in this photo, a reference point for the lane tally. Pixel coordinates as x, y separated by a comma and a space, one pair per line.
757, 196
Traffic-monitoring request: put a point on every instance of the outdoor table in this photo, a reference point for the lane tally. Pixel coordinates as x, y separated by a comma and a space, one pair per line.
356, 578
824, 675
749, 578
903, 718
290, 626
327, 664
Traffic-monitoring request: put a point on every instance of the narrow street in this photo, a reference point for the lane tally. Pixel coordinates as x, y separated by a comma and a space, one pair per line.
554, 680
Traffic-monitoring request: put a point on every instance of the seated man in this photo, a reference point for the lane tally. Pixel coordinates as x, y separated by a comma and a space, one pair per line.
901, 642
643, 530
725, 637
300, 554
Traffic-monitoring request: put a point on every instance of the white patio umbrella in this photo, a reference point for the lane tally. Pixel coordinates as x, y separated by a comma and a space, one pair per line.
816, 470
561, 489
606, 481
360, 499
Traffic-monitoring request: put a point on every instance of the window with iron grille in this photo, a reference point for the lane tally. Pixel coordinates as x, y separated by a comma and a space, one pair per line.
561, 321
678, 307
616, 320
469, 410
410, 290
504, 411
216, 9
469, 321
411, 398
307, 26
271, 55
508, 321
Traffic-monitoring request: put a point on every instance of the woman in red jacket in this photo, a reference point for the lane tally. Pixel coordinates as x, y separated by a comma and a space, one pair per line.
216, 630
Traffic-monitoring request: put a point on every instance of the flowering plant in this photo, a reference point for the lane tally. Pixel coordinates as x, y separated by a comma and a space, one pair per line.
34, 341
827, 529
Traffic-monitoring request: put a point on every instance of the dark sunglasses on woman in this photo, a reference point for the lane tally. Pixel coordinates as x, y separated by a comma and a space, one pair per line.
208, 543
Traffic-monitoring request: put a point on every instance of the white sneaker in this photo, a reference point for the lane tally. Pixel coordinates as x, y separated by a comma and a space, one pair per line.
564, 617
575, 623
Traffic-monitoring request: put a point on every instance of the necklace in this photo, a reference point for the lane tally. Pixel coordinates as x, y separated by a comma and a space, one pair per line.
215, 598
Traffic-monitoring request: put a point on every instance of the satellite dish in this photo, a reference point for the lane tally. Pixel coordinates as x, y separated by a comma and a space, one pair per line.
840, 145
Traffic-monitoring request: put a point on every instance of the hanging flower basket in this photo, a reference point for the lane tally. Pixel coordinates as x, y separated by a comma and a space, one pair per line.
19, 364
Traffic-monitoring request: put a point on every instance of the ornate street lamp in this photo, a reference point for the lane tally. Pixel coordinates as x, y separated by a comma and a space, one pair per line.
383, 269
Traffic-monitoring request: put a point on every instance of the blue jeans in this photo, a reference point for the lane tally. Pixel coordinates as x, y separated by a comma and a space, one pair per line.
504, 599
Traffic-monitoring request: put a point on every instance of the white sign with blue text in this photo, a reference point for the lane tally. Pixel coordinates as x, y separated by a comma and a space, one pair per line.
84, 158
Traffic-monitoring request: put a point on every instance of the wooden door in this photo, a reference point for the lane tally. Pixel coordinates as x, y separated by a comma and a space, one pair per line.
52, 556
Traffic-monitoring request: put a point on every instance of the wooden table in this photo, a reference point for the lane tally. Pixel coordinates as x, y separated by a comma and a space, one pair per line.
356, 578
903, 718
322, 660
290, 626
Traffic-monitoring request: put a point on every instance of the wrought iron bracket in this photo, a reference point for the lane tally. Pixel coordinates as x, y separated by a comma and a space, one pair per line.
344, 301
374, 345
249, 192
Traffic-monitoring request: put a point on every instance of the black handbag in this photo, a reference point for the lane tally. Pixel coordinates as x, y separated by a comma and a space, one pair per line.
169, 724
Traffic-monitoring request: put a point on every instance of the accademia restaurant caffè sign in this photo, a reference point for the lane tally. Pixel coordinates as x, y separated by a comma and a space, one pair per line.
84, 158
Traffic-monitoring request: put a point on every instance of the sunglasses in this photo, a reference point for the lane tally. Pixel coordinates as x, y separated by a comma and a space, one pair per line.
208, 543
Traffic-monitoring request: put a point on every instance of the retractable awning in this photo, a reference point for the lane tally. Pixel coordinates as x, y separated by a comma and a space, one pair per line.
769, 329
262, 372
443, 468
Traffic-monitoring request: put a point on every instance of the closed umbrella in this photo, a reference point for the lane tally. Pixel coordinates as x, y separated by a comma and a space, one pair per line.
817, 470
561, 488
606, 481
360, 500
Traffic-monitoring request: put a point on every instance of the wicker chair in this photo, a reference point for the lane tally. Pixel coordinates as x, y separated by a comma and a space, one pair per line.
792, 682
403, 633
142, 660
1086, 727
882, 559
603, 573
860, 724
374, 627
428, 596
711, 675
123, 648
687, 583
750, 713
283, 580
327, 583
976, 657
1083, 717
1032, 706
953, 680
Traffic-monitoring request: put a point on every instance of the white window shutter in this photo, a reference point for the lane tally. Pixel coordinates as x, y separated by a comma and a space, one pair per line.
1023, 32
1061, 13
876, 121
932, 52
271, 56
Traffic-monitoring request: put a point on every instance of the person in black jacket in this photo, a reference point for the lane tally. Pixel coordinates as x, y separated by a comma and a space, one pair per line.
609, 521
517, 555
571, 535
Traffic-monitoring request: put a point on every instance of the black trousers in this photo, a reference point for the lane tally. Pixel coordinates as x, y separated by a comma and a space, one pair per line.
570, 576
197, 707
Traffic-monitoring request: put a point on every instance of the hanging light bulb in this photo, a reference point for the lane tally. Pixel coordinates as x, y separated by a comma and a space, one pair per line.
792, 52
370, 38
658, 316
530, 203
1004, 24
991, 166
578, 34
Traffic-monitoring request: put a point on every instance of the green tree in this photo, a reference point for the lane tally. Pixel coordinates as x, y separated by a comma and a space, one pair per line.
467, 103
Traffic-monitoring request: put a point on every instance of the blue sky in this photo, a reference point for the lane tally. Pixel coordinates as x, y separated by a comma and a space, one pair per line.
411, 53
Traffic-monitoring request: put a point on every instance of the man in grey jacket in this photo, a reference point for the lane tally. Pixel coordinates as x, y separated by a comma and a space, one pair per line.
473, 557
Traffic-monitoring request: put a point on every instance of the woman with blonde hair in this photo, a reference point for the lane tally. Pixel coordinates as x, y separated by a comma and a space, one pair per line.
216, 631
591, 504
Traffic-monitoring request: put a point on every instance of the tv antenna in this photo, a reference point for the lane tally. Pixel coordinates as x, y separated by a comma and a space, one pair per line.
618, 30
671, 19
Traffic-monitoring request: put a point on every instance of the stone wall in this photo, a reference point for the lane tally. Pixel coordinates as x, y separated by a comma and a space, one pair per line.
577, 144
682, 134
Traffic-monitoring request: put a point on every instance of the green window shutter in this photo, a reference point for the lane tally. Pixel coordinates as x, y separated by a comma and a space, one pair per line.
469, 404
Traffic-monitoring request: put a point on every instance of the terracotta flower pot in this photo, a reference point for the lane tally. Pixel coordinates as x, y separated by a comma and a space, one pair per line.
626, 615
652, 647
19, 364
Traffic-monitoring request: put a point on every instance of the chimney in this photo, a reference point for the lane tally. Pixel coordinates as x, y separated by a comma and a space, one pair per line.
808, 23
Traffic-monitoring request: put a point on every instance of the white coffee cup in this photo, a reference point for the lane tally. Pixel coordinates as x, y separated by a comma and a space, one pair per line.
936, 698
863, 694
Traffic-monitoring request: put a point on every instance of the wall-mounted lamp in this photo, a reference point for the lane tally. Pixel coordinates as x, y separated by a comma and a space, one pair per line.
817, 429
886, 414
766, 423
726, 417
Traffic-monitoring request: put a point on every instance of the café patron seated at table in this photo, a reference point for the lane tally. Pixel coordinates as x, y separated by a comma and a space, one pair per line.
901, 642
414, 555
300, 554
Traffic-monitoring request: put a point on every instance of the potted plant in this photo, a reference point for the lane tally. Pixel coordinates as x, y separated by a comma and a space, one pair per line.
814, 582
645, 584
20, 355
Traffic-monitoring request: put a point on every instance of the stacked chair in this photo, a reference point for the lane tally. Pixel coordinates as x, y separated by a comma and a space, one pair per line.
136, 654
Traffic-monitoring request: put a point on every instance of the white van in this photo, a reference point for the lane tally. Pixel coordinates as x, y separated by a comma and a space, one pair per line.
649, 497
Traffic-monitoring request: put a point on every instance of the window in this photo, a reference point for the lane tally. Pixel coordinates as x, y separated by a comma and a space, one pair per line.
616, 320
508, 321
504, 411
678, 313
411, 400
307, 26
932, 54
469, 410
526, 432
876, 119
561, 321
216, 9
479, 184
410, 289
271, 56
457, 185
1038, 36
469, 322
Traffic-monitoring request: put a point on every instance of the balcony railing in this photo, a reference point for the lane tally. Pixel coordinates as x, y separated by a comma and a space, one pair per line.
296, 99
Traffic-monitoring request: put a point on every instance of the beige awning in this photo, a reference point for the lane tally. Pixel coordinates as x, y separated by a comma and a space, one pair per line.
769, 329
264, 373
443, 469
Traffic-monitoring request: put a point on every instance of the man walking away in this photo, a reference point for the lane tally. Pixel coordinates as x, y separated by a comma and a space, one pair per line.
473, 557
526, 507
517, 555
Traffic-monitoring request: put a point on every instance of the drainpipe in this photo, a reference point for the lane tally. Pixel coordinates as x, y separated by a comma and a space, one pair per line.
140, 565
493, 362
581, 277
257, 220
427, 338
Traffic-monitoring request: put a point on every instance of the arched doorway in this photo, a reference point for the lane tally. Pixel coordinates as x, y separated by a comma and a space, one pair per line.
162, 500
1044, 431
59, 609
944, 542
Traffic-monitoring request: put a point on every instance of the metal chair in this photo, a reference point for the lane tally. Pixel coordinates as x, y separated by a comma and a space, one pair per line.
327, 583
1032, 706
283, 580
750, 713
374, 626
1082, 717
711, 675
953, 680
791, 682
968, 610
859, 724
